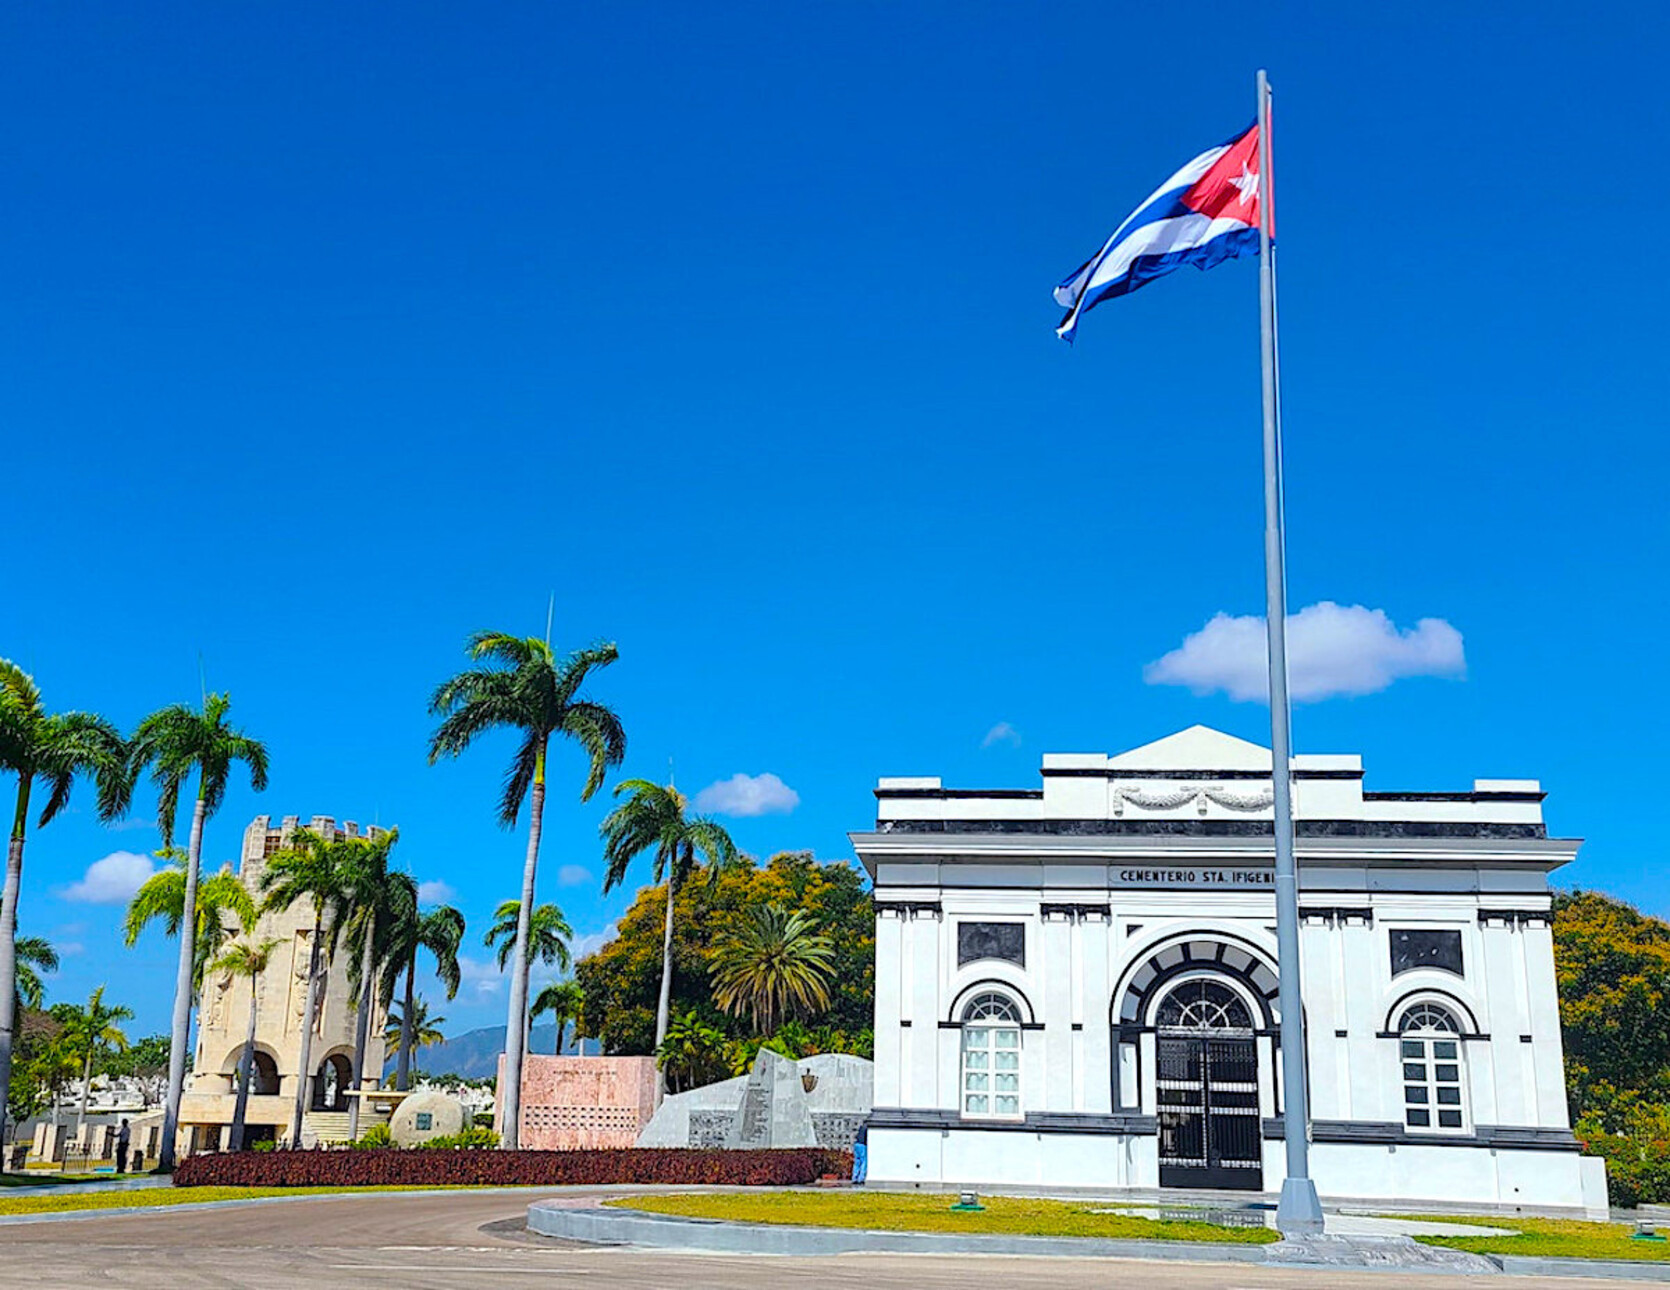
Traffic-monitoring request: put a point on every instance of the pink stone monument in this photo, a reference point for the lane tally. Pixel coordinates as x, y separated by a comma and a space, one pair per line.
572, 1103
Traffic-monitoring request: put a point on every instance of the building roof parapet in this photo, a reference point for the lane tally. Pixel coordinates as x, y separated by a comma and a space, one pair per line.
1202, 781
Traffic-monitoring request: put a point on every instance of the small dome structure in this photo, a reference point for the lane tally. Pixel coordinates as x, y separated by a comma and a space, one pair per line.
426, 1115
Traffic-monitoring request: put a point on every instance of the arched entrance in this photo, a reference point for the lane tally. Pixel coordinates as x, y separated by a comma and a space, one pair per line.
1206, 1085
330, 1084
263, 1074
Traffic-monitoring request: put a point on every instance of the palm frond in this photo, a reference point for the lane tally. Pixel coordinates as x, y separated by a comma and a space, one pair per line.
523, 767
572, 671
442, 933
599, 731
74, 745
512, 651
161, 896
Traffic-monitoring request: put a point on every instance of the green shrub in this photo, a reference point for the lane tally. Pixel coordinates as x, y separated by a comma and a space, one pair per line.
482, 1119
1637, 1160
373, 1139
474, 1136
426, 1167
266, 1144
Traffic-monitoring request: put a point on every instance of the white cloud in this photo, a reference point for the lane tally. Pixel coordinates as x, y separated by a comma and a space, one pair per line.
112, 880
748, 795
1331, 650
69, 949
590, 942
435, 892
479, 976
573, 875
129, 825
1002, 733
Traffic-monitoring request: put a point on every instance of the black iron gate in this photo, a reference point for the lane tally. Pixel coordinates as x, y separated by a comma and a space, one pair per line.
1208, 1108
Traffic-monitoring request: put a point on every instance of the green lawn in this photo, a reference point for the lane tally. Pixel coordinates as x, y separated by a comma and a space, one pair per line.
1559, 1238
165, 1194
914, 1212
52, 1178
895, 1212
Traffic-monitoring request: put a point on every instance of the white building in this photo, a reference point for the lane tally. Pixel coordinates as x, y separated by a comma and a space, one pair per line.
1076, 985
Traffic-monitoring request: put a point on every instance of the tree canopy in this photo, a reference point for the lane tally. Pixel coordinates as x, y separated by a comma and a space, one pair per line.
621, 981
1613, 967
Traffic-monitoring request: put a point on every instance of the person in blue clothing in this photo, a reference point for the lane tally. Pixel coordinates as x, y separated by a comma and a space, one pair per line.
861, 1155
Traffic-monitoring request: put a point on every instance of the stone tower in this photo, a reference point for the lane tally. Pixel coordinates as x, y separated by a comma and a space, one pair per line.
223, 1020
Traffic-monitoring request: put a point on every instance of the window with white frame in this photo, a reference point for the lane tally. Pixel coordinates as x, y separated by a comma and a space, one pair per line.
991, 1066
1429, 1048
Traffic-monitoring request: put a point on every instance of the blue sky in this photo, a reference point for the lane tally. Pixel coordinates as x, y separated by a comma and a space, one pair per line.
331, 335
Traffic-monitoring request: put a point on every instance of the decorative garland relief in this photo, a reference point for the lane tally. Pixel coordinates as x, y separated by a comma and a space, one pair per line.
1170, 801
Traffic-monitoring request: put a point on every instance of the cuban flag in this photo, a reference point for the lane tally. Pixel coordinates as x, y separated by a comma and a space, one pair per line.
1206, 213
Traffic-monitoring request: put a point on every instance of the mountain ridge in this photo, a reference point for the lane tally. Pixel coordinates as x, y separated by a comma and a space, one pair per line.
475, 1053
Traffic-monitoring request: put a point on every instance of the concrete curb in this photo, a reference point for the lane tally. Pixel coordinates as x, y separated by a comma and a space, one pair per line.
119, 1211
1518, 1265
598, 1226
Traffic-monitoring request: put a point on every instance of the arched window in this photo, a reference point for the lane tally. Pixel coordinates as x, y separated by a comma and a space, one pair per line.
991, 1067
263, 1074
330, 1084
1429, 1048
1203, 1004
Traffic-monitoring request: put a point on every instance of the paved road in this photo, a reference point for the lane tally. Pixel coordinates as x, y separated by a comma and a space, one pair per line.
466, 1240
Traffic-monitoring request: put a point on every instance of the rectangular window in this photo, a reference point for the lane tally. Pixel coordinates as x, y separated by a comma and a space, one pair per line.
1414, 947
425, 1121
1006, 941
1432, 1085
992, 1071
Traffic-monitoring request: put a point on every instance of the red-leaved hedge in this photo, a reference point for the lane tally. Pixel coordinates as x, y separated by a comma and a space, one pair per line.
424, 1167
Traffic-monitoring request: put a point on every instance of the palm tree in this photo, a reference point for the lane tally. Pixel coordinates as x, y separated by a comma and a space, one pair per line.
441, 932
162, 897
653, 817
177, 743
548, 934
34, 956
246, 960
365, 906
547, 940
564, 1001
413, 1025
89, 1032
693, 1053
55, 1066
528, 689
55, 749
775, 963
310, 869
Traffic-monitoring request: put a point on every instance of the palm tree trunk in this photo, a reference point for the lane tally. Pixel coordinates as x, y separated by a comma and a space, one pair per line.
8, 942
515, 1023
246, 1073
662, 1008
403, 1066
86, 1087
180, 1036
562, 1025
356, 1075
304, 1076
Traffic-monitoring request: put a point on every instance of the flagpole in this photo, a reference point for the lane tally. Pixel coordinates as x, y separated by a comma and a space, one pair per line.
1299, 1212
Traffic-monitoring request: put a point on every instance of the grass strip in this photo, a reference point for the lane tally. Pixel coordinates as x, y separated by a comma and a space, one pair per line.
163, 1195
55, 1179
894, 1212
1552, 1238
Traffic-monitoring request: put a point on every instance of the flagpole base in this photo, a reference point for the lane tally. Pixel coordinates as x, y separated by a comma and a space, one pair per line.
1300, 1211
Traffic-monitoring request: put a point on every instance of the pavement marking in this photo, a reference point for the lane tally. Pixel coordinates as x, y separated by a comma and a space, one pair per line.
439, 1267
